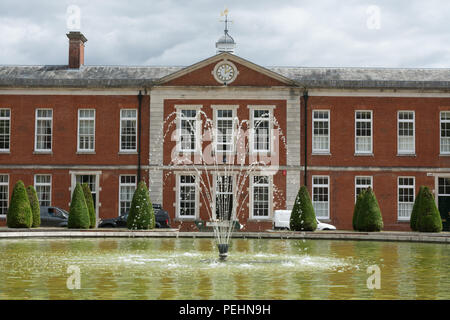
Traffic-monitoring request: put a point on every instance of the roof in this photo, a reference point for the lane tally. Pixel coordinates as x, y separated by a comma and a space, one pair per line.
398, 78
146, 76
85, 77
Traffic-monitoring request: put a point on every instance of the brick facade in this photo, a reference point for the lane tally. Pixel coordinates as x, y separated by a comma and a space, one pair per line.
279, 89
384, 165
63, 161
385, 109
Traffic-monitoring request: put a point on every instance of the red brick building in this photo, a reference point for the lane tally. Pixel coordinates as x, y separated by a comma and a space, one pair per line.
337, 130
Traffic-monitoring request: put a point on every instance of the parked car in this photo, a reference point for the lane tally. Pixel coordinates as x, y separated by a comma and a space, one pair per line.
161, 216
324, 226
281, 221
162, 219
119, 222
53, 217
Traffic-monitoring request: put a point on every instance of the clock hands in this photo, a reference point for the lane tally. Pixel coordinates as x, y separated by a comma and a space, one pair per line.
225, 72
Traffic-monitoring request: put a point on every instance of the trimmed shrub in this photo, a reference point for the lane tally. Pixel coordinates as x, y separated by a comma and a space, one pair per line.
415, 210
90, 204
141, 215
357, 208
19, 212
303, 217
428, 216
369, 214
78, 212
35, 208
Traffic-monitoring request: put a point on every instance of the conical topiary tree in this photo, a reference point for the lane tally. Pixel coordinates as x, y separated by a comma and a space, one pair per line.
141, 215
78, 212
303, 217
357, 208
90, 204
415, 210
19, 212
35, 208
428, 216
369, 214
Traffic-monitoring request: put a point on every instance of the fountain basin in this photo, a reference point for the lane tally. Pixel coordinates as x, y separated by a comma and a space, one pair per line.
187, 268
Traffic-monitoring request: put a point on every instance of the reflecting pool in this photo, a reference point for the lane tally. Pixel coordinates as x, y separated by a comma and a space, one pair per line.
167, 268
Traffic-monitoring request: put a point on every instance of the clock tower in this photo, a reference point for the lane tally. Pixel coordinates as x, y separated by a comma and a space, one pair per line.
226, 42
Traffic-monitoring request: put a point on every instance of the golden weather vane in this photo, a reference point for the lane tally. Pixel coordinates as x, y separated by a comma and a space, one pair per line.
225, 13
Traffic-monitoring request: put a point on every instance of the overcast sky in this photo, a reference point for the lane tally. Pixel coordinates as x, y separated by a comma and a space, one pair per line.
318, 33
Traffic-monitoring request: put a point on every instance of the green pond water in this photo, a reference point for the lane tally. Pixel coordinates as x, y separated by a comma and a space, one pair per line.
189, 269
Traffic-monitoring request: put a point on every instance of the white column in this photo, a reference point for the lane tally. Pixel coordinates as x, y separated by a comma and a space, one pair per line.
293, 145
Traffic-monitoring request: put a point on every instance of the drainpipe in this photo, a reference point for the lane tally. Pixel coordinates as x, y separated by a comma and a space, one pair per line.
139, 137
305, 98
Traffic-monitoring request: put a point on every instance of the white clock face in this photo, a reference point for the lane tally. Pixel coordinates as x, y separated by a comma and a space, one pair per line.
225, 72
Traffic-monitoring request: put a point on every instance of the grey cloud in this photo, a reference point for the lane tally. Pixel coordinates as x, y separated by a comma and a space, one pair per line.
301, 33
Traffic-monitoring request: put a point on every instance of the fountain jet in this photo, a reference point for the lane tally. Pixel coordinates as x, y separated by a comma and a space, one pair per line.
223, 176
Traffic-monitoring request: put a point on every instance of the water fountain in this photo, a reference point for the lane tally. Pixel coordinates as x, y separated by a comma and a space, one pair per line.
223, 175
187, 269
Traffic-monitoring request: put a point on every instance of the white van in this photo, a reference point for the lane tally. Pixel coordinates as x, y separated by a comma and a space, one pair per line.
281, 219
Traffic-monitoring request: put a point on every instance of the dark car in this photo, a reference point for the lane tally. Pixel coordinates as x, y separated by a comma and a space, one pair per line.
162, 219
54, 217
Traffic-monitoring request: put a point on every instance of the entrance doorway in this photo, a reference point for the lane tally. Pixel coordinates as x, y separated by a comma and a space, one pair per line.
443, 198
92, 180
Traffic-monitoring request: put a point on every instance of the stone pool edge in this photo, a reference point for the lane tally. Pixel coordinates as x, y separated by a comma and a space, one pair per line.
400, 236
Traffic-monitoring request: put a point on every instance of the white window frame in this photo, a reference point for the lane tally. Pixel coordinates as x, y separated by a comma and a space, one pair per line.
252, 109
362, 186
6, 184
413, 187
198, 128
43, 184
178, 196
126, 184
441, 121
437, 189
318, 185
78, 131
233, 109
251, 200
233, 192
359, 152
313, 135
413, 120
40, 118
97, 174
7, 118
125, 118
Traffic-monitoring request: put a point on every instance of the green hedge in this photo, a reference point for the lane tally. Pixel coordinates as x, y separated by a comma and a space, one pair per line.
78, 212
303, 217
428, 216
35, 208
19, 212
90, 204
141, 215
369, 214
415, 210
357, 208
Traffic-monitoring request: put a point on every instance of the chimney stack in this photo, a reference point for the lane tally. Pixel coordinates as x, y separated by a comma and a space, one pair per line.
76, 49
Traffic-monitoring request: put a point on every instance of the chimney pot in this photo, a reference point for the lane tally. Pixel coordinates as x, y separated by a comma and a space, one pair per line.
76, 49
